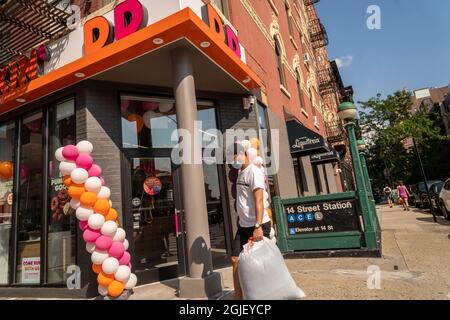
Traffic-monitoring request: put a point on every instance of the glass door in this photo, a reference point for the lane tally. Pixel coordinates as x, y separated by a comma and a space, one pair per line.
157, 219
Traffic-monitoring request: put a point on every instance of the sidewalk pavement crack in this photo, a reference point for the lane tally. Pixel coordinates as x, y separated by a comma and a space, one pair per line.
401, 252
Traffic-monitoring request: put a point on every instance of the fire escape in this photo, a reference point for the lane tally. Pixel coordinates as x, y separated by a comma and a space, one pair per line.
317, 33
25, 24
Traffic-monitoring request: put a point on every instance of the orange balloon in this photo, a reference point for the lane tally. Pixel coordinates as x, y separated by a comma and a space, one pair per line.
88, 199
112, 215
102, 206
67, 181
76, 190
138, 119
104, 279
6, 169
97, 268
255, 143
115, 288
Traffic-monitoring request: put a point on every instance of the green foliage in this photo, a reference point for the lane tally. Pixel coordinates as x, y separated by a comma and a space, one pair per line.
388, 126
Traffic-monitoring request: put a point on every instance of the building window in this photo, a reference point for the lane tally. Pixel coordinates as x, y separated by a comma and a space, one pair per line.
289, 18
300, 91
222, 5
279, 55
311, 101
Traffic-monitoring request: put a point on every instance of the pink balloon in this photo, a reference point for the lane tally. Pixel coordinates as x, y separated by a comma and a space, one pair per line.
83, 225
84, 161
103, 181
130, 266
125, 259
70, 152
90, 235
103, 243
117, 250
24, 172
95, 171
150, 106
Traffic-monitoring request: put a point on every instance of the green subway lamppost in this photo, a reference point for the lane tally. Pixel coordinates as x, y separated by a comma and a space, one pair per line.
362, 147
347, 112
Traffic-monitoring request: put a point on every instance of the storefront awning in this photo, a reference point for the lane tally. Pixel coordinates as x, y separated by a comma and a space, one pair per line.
323, 158
303, 141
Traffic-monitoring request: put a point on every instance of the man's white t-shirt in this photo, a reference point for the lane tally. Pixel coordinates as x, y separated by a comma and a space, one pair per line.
249, 179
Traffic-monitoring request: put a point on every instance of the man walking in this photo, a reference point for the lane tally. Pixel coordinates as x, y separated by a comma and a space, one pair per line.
388, 193
254, 221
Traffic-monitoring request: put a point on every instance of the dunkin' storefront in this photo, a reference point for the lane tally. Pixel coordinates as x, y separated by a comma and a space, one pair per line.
124, 80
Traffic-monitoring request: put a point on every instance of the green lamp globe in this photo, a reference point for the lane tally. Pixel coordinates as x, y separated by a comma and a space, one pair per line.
347, 111
361, 145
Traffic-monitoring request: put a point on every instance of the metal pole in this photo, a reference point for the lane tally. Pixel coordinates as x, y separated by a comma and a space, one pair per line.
369, 228
369, 189
424, 179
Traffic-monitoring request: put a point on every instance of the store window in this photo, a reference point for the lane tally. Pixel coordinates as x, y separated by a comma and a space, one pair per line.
150, 123
29, 219
60, 216
300, 176
7, 138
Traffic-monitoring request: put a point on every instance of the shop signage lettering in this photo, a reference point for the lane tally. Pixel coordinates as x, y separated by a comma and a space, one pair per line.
31, 270
19, 72
323, 217
130, 16
301, 143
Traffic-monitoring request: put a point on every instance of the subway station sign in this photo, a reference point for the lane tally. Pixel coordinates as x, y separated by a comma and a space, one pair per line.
322, 217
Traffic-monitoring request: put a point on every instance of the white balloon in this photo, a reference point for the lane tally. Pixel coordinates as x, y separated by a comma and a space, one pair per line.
103, 291
109, 228
110, 265
99, 256
126, 244
85, 147
259, 161
148, 116
104, 193
93, 184
252, 153
79, 175
66, 167
75, 204
58, 154
122, 274
96, 221
246, 144
165, 106
120, 235
90, 247
131, 283
83, 213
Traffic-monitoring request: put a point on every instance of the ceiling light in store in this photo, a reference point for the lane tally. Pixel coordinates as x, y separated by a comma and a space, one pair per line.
247, 80
205, 44
21, 100
80, 75
158, 41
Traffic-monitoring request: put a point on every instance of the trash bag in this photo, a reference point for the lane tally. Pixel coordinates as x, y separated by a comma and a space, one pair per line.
263, 274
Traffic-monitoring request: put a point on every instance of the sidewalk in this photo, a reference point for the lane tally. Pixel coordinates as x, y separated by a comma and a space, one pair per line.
415, 265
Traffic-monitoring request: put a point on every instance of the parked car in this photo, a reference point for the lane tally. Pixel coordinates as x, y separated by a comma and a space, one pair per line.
435, 191
444, 198
420, 193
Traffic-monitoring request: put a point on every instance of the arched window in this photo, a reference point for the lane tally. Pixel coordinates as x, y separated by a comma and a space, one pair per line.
279, 56
300, 91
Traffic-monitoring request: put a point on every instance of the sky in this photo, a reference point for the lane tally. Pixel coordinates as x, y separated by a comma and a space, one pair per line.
411, 50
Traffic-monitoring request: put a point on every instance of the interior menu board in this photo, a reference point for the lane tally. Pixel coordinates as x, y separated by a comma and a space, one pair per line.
328, 216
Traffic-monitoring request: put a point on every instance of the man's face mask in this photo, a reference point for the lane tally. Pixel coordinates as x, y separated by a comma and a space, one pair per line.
238, 162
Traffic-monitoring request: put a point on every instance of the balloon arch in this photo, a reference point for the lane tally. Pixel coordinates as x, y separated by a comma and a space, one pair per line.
105, 240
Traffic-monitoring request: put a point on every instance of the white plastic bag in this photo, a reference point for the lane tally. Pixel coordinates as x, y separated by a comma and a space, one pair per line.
263, 274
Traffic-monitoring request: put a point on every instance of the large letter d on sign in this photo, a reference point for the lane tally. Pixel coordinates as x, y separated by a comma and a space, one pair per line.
97, 34
128, 17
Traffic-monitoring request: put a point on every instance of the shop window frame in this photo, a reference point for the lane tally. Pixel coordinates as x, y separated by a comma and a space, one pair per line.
18, 117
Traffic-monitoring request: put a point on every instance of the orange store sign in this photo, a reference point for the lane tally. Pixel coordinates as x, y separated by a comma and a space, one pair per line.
130, 16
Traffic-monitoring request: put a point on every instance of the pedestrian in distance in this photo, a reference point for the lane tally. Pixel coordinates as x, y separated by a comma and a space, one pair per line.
403, 194
390, 197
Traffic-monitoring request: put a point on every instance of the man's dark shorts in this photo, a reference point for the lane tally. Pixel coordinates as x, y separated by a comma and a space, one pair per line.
242, 236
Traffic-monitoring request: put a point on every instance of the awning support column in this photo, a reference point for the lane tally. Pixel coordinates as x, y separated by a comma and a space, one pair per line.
200, 281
